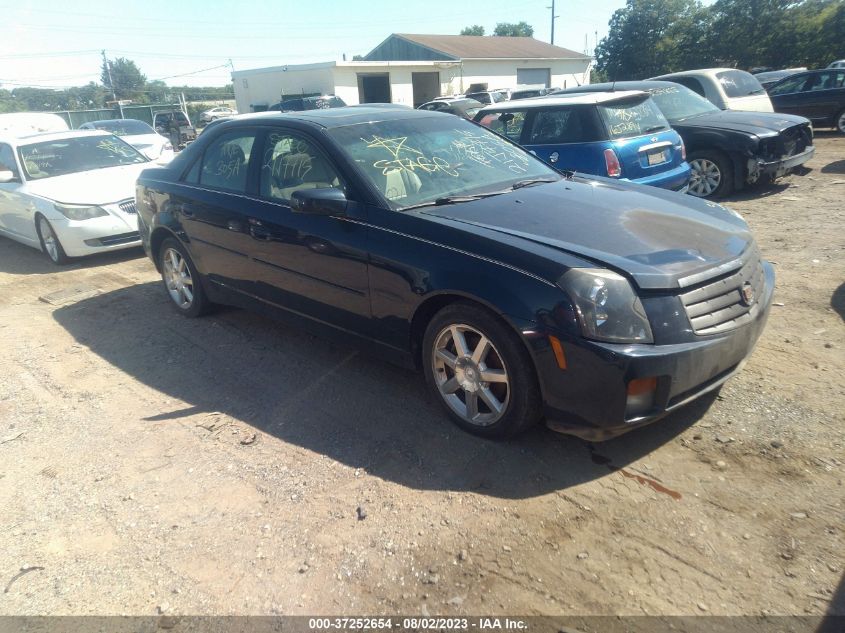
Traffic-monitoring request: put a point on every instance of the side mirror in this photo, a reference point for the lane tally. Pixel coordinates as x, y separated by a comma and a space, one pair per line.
7, 175
324, 201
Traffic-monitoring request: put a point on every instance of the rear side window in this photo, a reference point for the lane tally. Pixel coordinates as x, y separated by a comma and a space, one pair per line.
225, 163
575, 124
690, 82
632, 118
788, 86
509, 124
738, 83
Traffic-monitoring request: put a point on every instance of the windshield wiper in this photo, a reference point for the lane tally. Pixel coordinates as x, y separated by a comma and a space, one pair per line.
654, 128
530, 181
453, 200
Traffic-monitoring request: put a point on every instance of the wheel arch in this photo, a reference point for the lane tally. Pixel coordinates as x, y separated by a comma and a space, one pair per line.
435, 302
157, 237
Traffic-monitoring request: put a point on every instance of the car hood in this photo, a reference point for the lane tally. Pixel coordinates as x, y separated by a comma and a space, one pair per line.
656, 237
97, 186
757, 123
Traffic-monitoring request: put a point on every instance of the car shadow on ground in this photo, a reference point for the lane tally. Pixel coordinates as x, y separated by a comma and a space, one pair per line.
17, 259
836, 167
837, 300
334, 400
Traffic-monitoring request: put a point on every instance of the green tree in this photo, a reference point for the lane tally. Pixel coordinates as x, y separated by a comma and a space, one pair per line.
125, 79
650, 37
475, 29
747, 33
508, 29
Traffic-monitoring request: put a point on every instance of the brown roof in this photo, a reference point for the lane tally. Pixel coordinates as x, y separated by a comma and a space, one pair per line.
488, 47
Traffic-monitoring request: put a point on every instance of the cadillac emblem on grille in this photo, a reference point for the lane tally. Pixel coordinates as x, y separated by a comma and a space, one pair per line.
747, 292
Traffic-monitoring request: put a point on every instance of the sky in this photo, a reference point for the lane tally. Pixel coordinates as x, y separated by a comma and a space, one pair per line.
56, 44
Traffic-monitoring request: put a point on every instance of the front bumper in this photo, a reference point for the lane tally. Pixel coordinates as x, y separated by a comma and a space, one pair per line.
115, 231
778, 168
589, 398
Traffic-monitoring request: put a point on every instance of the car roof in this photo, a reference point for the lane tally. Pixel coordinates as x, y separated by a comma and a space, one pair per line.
337, 117
709, 72
456, 101
584, 98
618, 86
52, 136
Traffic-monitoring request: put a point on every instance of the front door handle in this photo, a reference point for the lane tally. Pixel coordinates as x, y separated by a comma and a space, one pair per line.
260, 233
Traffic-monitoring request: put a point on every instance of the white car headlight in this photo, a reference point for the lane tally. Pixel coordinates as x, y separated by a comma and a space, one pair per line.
608, 308
80, 212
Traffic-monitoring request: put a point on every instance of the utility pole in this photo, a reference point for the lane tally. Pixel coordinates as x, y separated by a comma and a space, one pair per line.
107, 64
554, 17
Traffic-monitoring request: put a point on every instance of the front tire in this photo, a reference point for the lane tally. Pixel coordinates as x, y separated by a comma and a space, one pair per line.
480, 372
712, 174
50, 244
181, 279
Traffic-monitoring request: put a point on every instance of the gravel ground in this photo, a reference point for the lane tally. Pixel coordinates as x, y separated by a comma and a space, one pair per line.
229, 465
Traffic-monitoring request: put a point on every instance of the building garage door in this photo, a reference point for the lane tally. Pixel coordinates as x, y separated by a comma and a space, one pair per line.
534, 77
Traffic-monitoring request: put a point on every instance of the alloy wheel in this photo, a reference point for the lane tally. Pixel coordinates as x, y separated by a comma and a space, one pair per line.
840, 123
177, 278
470, 374
705, 177
51, 242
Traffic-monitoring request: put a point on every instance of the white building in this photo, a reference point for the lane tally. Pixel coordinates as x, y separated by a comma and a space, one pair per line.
412, 69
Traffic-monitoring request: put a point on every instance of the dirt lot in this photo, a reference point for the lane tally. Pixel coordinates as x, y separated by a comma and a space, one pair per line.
228, 465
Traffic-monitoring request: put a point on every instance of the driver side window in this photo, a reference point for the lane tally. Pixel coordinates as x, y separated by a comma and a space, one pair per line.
292, 163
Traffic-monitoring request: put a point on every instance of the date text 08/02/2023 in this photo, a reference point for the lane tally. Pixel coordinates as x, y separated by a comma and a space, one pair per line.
416, 623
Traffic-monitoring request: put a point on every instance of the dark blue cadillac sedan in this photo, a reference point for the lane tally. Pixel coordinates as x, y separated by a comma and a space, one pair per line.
522, 292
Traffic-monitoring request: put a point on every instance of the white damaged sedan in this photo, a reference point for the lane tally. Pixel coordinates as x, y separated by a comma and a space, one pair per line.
69, 194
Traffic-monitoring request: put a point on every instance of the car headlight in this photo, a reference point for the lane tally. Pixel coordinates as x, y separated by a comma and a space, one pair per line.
608, 308
80, 212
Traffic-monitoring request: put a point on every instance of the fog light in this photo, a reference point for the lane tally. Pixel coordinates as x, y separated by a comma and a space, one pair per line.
640, 396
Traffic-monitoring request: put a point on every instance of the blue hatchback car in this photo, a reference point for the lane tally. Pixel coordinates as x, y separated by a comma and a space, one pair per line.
617, 134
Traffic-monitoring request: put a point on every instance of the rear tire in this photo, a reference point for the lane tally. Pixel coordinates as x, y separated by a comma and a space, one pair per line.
478, 369
840, 122
50, 244
181, 279
712, 174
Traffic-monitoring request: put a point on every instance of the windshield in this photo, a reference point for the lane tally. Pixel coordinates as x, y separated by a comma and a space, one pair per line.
738, 83
632, 118
72, 155
678, 103
420, 160
124, 127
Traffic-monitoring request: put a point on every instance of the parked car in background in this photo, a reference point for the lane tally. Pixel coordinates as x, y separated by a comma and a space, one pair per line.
138, 134
522, 293
488, 96
839, 63
818, 95
215, 113
464, 107
771, 77
528, 92
21, 123
616, 134
161, 123
301, 104
69, 193
726, 88
726, 149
